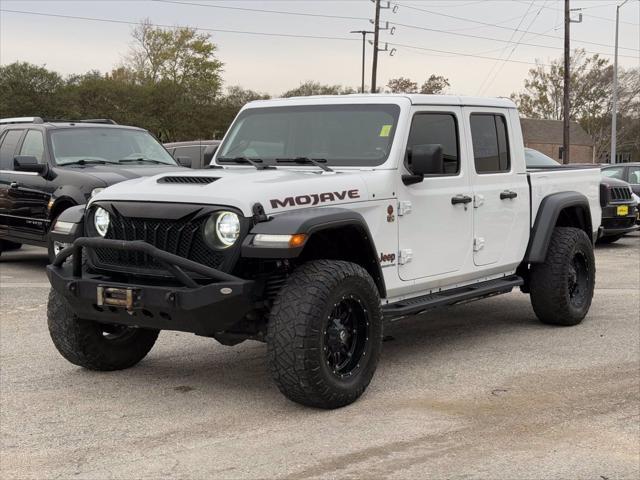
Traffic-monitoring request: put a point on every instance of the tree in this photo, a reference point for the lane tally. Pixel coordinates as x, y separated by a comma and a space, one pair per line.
435, 84
180, 56
30, 90
310, 88
402, 85
590, 98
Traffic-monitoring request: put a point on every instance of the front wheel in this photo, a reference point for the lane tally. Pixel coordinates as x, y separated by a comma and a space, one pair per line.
562, 286
325, 334
93, 345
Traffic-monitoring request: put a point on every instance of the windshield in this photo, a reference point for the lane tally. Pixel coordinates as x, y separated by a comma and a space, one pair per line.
107, 145
349, 135
536, 159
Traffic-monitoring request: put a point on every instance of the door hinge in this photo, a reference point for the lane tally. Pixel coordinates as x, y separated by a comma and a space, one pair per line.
405, 256
404, 208
478, 200
478, 244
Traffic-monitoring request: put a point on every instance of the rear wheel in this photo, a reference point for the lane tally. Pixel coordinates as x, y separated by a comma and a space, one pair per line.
7, 246
562, 286
93, 345
325, 334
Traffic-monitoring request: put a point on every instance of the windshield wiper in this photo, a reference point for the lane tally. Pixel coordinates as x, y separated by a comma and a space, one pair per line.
319, 162
256, 162
147, 160
85, 161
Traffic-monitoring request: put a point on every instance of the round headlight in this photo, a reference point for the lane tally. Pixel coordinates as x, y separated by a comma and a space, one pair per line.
101, 221
222, 230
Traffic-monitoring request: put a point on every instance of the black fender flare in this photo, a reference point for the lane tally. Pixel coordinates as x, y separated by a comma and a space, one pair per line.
547, 218
309, 221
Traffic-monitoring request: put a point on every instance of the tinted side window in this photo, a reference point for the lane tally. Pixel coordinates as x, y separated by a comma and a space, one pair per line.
490, 143
439, 128
8, 148
33, 144
634, 175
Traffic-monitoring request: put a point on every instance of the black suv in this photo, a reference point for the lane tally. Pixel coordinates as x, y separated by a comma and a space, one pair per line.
49, 166
193, 153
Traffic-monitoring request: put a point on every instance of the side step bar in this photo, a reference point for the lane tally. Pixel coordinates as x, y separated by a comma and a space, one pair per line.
413, 306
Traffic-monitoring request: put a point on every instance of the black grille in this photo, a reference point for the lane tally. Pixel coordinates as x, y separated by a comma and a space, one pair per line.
619, 193
191, 180
182, 237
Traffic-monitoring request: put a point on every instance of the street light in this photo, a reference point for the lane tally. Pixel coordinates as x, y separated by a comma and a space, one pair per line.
364, 34
614, 108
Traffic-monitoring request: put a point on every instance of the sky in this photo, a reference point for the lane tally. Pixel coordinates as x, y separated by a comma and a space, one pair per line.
467, 41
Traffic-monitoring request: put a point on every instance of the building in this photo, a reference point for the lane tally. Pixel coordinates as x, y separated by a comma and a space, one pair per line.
546, 136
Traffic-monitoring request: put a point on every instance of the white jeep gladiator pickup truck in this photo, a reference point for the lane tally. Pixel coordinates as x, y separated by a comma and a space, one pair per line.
319, 219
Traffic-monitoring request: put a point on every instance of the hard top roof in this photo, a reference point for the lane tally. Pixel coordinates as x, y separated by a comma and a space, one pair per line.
413, 98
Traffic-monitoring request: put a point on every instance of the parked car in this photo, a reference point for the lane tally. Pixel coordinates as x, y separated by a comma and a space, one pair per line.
619, 209
324, 216
194, 154
628, 172
48, 166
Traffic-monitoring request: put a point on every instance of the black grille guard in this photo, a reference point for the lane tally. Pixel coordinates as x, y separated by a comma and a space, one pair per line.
175, 264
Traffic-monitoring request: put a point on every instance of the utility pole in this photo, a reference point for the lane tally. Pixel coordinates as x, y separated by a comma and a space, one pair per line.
567, 79
614, 108
376, 38
364, 43
566, 105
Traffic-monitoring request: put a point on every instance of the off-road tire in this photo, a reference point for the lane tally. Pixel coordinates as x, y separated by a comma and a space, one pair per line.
609, 239
83, 343
552, 297
296, 336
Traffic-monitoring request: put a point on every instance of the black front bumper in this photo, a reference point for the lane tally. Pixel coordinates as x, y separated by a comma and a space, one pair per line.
212, 303
614, 224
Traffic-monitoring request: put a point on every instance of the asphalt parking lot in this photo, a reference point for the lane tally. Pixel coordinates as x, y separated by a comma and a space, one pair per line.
477, 391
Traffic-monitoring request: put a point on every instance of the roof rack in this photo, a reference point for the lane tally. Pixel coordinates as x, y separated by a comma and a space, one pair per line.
107, 121
7, 121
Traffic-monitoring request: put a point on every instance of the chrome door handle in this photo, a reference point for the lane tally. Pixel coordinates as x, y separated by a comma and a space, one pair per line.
14, 185
460, 199
508, 195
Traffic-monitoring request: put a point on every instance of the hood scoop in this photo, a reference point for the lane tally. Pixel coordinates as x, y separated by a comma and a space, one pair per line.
188, 180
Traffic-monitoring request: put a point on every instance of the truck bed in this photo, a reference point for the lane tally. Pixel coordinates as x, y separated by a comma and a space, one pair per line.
584, 179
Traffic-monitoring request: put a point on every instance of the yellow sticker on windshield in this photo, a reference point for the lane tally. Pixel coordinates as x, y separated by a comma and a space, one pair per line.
385, 130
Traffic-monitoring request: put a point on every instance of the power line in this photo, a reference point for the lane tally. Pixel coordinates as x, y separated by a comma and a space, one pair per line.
481, 37
519, 42
588, 15
262, 10
216, 30
472, 55
513, 34
470, 20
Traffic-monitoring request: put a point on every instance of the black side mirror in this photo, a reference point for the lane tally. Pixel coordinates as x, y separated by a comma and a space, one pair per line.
29, 163
184, 161
424, 160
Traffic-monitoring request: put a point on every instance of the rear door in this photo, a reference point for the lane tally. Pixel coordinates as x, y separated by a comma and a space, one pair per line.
31, 191
9, 142
501, 192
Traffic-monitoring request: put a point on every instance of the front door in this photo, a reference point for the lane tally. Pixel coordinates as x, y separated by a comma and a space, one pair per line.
436, 234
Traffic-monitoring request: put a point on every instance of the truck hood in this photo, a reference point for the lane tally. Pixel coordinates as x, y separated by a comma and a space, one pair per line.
115, 174
276, 190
